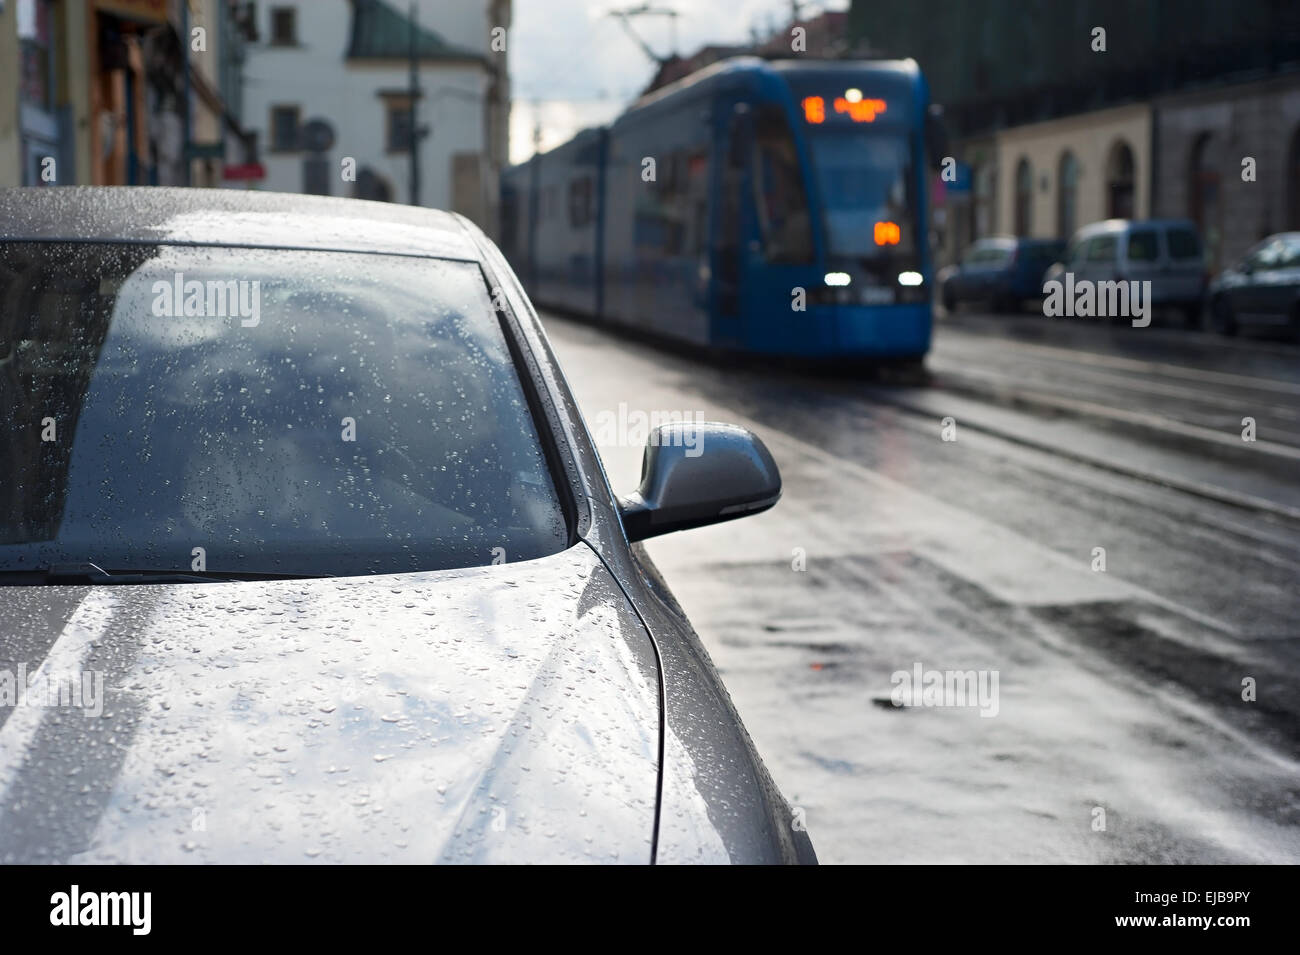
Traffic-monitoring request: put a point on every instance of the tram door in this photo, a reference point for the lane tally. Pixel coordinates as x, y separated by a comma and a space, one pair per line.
734, 227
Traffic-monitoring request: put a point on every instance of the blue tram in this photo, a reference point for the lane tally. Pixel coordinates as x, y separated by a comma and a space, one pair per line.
775, 207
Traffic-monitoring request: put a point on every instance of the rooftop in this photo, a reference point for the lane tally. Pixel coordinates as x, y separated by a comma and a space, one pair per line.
381, 32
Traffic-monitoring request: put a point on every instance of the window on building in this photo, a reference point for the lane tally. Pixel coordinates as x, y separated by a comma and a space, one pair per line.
36, 51
984, 221
284, 26
1203, 190
316, 171
1121, 182
1067, 195
397, 124
1024, 197
284, 128
1293, 182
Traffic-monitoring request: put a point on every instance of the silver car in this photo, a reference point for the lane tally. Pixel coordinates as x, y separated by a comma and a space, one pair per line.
308, 556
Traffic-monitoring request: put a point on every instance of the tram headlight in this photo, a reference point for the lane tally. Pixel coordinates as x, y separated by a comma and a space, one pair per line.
838, 278
910, 278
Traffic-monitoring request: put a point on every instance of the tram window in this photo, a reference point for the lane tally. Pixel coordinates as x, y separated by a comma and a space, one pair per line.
779, 192
866, 176
699, 226
580, 202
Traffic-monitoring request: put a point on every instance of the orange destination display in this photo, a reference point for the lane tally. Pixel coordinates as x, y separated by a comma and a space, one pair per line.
855, 107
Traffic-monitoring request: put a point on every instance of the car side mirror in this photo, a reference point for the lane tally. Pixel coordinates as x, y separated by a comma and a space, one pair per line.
693, 474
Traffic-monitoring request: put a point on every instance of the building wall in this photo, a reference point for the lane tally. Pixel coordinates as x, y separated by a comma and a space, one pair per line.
91, 106
317, 77
996, 63
77, 18
206, 122
1091, 137
1202, 139
964, 217
10, 164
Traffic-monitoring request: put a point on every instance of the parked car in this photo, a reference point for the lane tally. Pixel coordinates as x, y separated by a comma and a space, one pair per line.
1168, 253
1002, 271
1263, 289
300, 480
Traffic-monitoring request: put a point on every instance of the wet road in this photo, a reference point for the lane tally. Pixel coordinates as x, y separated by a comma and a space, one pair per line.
1088, 527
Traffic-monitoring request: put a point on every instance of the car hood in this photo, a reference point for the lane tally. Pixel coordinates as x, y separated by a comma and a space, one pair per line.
497, 714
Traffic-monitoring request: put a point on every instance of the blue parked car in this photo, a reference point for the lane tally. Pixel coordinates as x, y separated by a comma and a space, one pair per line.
1002, 271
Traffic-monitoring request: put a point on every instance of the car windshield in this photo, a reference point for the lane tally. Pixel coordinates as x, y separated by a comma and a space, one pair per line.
261, 411
989, 255
865, 181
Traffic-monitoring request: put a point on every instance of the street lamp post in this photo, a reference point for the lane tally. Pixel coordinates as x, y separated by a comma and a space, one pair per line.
415, 94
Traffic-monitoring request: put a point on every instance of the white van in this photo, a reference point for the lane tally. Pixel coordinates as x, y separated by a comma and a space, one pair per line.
1166, 252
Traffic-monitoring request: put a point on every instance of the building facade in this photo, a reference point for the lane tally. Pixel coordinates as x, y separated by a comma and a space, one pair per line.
1229, 158
1055, 176
115, 92
1066, 113
328, 93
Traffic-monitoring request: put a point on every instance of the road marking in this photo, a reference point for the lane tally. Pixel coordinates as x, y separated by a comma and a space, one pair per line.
1211, 492
1089, 379
1071, 356
1142, 419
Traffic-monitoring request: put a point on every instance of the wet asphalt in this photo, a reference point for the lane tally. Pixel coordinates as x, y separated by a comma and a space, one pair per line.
1064, 507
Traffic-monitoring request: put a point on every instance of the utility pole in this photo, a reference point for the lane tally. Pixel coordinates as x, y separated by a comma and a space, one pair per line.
415, 95
187, 123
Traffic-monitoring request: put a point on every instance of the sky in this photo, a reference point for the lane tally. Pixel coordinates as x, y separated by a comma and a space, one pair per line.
572, 65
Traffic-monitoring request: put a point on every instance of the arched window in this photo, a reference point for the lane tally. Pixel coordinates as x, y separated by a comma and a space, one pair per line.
1203, 203
1067, 195
1293, 183
1024, 197
1121, 179
984, 222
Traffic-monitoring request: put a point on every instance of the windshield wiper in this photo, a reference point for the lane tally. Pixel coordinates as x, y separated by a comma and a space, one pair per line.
87, 572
